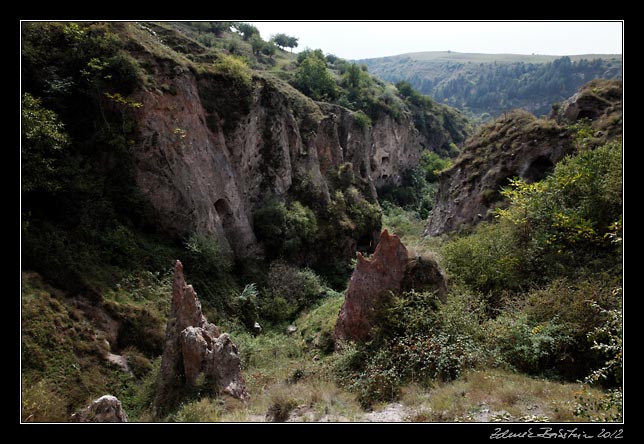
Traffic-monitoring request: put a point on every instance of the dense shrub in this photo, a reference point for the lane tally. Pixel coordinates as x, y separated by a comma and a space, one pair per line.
432, 164
288, 291
608, 341
207, 256
235, 69
527, 345
314, 79
245, 306
43, 137
418, 339
488, 260
550, 331
286, 230
418, 187
362, 120
414, 193
566, 222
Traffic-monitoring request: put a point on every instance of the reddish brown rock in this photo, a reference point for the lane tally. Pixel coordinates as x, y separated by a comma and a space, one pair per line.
194, 346
104, 409
371, 279
390, 269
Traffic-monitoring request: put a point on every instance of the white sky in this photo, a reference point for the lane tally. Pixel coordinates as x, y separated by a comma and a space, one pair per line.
360, 40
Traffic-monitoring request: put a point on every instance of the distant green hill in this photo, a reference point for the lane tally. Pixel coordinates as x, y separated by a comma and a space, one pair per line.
487, 85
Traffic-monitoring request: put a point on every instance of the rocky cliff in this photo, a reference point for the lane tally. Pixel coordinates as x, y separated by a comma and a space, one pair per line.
210, 150
194, 346
519, 145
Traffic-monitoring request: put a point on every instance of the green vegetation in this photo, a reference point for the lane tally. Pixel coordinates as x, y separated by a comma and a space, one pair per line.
314, 79
418, 186
534, 297
286, 230
288, 291
485, 85
418, 341
285, 41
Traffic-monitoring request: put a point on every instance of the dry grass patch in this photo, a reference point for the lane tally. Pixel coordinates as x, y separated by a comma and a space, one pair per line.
493, 395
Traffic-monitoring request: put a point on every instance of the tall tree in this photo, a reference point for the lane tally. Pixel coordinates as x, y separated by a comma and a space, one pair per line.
285, 41
247, 30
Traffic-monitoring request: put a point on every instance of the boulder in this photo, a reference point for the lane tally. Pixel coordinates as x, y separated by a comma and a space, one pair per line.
194, 346
107, 408
390, 269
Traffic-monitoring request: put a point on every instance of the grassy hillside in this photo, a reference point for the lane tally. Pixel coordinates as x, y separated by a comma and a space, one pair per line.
470, 57
485, 85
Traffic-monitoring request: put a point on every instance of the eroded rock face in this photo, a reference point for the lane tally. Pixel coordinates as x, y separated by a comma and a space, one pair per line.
518, 144
593, 100
194, 346
389, 269
205, 171
104, 409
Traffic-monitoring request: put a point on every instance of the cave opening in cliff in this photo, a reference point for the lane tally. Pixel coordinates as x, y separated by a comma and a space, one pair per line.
538, 169
225, 214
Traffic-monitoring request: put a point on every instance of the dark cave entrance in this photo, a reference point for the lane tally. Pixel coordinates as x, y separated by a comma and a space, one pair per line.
225, 214
538, 169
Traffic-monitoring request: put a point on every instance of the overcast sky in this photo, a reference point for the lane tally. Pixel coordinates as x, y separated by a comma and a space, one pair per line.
359, 40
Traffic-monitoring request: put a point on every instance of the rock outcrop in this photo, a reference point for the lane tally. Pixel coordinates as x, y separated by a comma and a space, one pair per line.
390, 269
593, 100
104, 409
206, 157
194, 346
519, 145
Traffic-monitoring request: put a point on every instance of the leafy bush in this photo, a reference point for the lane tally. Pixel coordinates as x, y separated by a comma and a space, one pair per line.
526, 345
605, 408
235, 69
488, 260
206, 256
43, 137
413, 194
245, 306
280, 407
608, 340
288, 291
314, 79
565, 222
418, 339
548, 332
285, 230
433, 164
418, 187
362, 120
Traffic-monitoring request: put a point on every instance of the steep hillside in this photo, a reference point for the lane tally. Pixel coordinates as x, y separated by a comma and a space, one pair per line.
520, 145
182, 138
149, 142
485, 85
